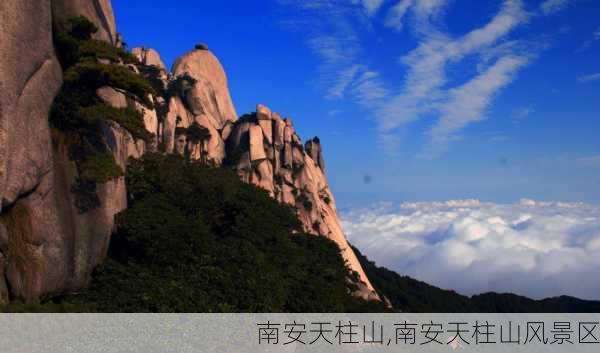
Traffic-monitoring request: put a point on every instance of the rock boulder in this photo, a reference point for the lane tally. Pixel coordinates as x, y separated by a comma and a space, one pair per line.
210, 95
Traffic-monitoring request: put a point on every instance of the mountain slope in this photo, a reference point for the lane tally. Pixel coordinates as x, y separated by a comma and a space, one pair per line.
198, 239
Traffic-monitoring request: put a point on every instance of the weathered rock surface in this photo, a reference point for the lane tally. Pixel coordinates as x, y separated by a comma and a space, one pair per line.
208, 103
100, 12
214, 147
4, 295
177, 116
272, 157
210, 95
31, 76
48, 245
112, 97
314, 151
149, 56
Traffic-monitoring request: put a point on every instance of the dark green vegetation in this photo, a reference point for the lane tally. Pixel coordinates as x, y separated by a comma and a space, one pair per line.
77, 111
197, 239
128, 118
197, 133
409, 295
100, 168
201, 46
180, 86
306, 203
153, 75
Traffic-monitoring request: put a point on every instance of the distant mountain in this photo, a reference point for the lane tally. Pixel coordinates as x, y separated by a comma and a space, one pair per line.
406, 294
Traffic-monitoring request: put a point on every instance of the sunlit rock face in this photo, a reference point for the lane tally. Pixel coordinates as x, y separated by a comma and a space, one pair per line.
149, 56
100, 12
210, 95
31, 76
269, 153
48, 245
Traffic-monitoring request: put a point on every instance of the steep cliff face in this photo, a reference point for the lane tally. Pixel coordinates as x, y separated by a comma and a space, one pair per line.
31, 76
210, 94
100, 12
49, 245
205, 102
266, 151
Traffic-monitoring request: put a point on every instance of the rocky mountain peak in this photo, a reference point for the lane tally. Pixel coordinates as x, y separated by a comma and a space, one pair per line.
51, 238
149, 56
269, 153
210, 93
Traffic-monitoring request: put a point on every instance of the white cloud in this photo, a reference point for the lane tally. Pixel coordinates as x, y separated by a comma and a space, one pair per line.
395, 17
335, 112
337, 32
424, 11
537, 249
334, 50
552, 6
589, 78
368, 88
468, 103
596, 34
425, 92
341, 80
522, 113
372, 6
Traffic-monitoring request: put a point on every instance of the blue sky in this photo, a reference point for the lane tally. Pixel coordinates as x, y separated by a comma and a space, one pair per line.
414, 100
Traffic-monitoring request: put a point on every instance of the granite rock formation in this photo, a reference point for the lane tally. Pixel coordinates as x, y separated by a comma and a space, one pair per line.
48, 246
100, 12
149, 56
31, 76
269, 153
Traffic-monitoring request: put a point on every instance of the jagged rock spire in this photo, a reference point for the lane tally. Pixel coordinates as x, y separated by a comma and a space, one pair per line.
273, 157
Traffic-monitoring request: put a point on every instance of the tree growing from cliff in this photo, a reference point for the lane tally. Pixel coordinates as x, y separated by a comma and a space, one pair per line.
198, 135
80, 114
181, 85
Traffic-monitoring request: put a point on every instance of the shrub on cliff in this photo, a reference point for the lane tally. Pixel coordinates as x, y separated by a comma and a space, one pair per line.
100, 168
153, 74
197, 133
197, 239
79, 112
73, 42
180, 85
129, 118
93, 75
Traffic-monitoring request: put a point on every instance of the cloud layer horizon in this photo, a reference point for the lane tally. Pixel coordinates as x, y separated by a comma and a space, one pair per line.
532, 248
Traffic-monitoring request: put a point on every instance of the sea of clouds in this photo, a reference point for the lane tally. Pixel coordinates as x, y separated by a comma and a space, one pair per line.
532, 248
